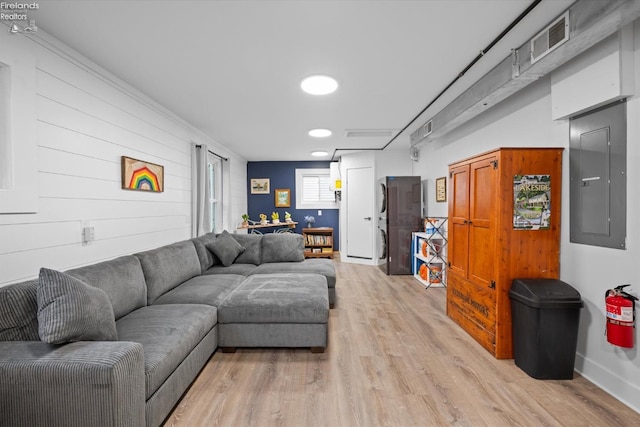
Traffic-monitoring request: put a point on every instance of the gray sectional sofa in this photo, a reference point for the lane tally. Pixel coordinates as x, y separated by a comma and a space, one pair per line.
117, 343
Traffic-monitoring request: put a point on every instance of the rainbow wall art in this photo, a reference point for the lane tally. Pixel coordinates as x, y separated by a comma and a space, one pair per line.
143, 176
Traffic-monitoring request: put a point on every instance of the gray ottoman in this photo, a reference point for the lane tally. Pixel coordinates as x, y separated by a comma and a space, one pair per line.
275, 310
309, 265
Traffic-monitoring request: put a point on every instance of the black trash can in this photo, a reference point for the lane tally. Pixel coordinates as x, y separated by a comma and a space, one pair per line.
545, 315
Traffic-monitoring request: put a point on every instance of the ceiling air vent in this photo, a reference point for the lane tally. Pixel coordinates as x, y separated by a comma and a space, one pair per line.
550, 38
369, 133
428, 128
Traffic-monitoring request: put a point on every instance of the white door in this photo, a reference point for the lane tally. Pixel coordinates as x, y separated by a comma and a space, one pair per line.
360, 210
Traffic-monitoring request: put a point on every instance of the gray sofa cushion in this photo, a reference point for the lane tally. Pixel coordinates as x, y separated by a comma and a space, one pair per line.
252, 244
19, 312
282, 247
70, 310
168, 333
277, 298
226, 248
205, 256
322, 266
209, 289
241, 269
122, 279
168, 266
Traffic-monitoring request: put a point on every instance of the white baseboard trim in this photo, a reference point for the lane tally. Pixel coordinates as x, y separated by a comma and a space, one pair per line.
354, 260
610, 382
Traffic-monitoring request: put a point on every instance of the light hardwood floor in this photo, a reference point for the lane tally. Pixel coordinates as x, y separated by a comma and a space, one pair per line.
394, 359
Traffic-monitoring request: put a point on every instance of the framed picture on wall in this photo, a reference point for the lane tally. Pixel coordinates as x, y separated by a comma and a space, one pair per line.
142, 176
283, 197
441, 189
260, 186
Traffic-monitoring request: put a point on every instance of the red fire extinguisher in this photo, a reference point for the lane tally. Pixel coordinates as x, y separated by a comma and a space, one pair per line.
621, 316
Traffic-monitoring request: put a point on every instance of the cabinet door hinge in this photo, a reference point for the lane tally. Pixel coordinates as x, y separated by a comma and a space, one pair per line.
495, 164
493, 284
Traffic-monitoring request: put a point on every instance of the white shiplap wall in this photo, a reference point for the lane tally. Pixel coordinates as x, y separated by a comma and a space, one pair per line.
86, 119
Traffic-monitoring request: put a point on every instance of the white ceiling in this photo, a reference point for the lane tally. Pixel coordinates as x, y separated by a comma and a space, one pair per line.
233, 68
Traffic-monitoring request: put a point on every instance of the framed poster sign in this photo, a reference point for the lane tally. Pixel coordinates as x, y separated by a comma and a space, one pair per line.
531, 202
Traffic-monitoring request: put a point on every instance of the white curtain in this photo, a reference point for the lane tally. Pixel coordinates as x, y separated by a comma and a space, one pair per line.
200, 210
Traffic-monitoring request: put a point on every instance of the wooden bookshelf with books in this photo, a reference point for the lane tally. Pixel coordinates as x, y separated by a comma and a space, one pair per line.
318, 242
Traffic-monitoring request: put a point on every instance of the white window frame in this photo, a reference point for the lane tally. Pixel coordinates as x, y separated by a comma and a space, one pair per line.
300, 202
214, 197
18, 143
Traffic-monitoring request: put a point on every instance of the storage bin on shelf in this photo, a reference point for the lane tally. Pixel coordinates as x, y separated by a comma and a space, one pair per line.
429, 253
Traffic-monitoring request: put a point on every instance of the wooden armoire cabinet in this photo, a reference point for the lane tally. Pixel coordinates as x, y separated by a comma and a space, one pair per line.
504, 223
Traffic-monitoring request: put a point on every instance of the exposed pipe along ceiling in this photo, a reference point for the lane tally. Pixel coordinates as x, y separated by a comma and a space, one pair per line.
588, 23
482, 53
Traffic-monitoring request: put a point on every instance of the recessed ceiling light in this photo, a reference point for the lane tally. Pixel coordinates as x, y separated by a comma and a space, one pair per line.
319, 153
319, 85
320, 133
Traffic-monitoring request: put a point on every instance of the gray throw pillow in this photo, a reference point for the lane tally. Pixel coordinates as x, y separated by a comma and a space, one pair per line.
70, 310
205, 256
226, 248
19, 312
252, 244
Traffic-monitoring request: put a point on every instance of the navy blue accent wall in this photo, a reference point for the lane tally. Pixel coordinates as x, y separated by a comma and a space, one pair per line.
283, 175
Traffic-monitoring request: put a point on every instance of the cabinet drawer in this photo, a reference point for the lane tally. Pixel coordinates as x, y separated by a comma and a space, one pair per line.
486, 338
472, 303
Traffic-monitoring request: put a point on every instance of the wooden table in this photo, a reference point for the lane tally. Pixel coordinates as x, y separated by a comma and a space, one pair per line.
255, 228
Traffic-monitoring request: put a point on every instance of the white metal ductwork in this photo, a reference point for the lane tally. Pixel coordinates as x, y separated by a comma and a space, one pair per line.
422, 132
578, 29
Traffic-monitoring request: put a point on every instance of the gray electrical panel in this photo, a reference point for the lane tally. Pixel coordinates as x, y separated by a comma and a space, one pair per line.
598, 182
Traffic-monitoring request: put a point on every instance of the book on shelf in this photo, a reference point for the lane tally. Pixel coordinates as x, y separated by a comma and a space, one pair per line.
315, 239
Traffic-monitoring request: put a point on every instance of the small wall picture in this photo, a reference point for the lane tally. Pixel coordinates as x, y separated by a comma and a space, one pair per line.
142, 176
260, 186
283, 197
441, 189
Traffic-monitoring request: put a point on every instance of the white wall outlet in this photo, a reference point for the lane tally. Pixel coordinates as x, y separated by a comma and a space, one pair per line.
319, 212
88, 234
